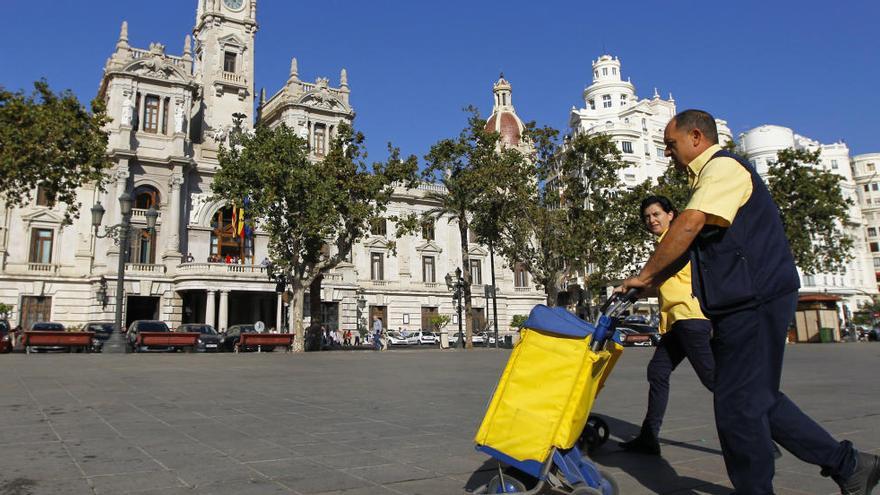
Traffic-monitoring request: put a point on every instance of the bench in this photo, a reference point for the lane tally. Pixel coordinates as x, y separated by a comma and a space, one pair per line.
265, 339
59, 338
185, 340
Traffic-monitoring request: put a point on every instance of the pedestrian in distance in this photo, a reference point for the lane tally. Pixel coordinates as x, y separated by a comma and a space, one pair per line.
377, 333
747, 284
685, 333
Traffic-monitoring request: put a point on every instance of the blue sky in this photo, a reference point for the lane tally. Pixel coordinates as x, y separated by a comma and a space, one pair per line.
413, 65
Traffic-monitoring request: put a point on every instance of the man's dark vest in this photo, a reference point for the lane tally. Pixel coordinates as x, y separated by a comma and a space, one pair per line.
747, 263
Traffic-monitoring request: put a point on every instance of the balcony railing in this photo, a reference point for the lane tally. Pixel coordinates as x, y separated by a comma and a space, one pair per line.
233, 78
42, 267
221, 268
379, 283
523, 290
145, 268
432, 285
140, 214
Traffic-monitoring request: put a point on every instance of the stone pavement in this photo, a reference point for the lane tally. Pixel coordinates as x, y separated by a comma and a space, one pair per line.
398, 422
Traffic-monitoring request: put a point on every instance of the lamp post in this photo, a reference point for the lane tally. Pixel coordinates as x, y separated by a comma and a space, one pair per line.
457, 287
120, 234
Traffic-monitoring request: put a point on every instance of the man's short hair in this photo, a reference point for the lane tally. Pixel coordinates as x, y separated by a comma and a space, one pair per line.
663, 201
697, 119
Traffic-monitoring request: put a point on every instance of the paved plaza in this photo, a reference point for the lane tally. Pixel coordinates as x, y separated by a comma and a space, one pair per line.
398, 422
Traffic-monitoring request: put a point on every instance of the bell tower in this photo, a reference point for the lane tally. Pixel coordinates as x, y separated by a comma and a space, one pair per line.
224, 62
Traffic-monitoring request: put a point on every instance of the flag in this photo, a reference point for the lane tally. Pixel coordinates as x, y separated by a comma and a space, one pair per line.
240, 227
234, 219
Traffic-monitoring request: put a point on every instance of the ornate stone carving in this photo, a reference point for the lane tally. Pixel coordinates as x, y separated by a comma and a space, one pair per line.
198, 201
179, 118
127, 109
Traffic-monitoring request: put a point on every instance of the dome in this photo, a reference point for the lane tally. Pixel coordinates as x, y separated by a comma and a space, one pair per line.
504, 119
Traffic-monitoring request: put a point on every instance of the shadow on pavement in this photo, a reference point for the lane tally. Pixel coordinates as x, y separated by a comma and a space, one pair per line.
652, 472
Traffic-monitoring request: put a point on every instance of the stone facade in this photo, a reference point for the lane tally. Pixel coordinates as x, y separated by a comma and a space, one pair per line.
170, 114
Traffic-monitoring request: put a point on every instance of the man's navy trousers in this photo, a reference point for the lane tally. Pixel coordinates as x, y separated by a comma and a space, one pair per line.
749, 408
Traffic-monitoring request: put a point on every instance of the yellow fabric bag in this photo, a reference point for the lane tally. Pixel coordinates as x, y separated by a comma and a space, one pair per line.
545, 395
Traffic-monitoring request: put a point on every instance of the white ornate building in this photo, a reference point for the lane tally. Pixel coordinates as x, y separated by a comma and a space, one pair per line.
864, 169
636, 125
169, 114
856, 281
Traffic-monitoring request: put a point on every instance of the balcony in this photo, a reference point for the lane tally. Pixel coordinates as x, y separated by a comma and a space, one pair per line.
139, 215
431, 285
379, 283
523, 290
47, 268
144, 268
256, 271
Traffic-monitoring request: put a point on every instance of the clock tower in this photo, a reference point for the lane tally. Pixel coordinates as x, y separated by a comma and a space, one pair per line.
224, 63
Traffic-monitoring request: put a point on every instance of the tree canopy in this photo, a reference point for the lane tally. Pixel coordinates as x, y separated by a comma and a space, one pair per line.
51, 141
314, 211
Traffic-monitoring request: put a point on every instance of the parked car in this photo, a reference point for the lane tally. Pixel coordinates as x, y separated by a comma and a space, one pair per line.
46, 326
103, 330
395, 338
648, 330
478, 339
5, 336
209, 339
427, 338
233, 335
634, 338
138, 326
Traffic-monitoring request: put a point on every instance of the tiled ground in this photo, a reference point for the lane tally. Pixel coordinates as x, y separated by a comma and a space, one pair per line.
399, 422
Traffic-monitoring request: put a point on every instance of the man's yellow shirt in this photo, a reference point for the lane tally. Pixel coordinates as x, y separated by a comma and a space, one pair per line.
677, 301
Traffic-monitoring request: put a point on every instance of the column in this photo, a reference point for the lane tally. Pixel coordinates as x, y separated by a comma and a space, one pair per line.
209, 308
171, 221
278, 316
223, 318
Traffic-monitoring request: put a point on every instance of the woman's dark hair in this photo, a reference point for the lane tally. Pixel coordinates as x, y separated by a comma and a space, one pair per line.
663, 201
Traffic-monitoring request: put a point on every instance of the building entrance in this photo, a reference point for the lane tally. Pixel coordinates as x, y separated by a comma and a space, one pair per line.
141, 308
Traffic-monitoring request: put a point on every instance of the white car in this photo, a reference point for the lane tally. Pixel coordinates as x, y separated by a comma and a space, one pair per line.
427, 338
477, 339
395, 338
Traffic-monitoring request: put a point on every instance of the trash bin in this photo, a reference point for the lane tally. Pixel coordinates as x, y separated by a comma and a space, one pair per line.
444, 339
508, 341
826, 335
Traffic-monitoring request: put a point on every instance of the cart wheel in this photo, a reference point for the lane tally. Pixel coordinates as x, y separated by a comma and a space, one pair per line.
601, 428
514, 482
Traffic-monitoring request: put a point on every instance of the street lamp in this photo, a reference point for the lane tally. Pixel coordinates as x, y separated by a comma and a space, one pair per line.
457, 288
120, 234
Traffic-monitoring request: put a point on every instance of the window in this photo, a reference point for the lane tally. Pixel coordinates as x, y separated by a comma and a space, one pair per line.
142, 249
592, 104
872, 231
875, 247
606, 101
42, 197
377, 266
834, 164
876, 262
626, 146
870, 167
428, 230
645, 124
145, 197
647, 149
41, 246
35, 309
595, 73
520, 275
874, 186
866, 187
229, 59
623, 100
614, 70
378, 226
428, 273
319, 136
605, 71
476, 273
151, 114
660, 152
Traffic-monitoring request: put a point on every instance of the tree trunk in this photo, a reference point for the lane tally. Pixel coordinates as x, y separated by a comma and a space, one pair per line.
296, 314
315, 299
552, 292
466, 290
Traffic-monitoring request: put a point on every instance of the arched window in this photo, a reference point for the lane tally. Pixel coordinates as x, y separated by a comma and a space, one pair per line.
226, 240
145, 197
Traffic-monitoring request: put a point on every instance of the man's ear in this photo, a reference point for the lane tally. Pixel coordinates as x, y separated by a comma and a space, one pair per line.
696, 137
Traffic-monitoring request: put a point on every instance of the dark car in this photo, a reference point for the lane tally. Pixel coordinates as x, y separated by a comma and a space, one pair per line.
634, 338
648, 330
138, 326
209, 339
103, 330
233, 335
5, 337
46, 326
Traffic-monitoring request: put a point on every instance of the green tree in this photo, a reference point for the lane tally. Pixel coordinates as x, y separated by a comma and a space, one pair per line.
51, 141
439, 322
813, 209
518, 321
467, 167
573, 219
313, 211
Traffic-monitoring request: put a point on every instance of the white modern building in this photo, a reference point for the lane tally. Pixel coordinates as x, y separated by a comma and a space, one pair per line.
636, 125
170, 112
865, 168
856, 282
